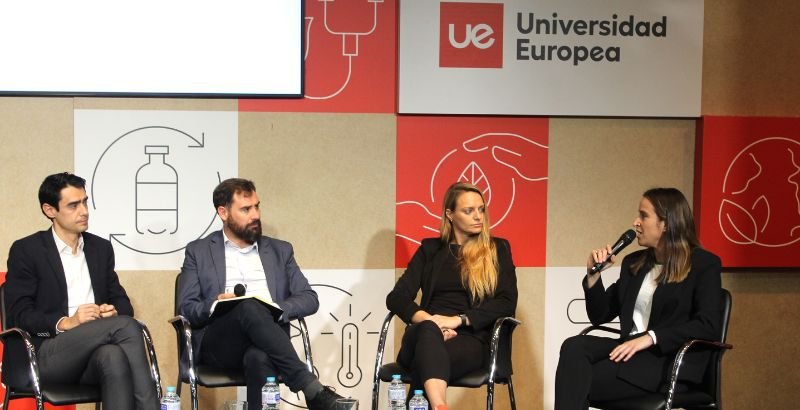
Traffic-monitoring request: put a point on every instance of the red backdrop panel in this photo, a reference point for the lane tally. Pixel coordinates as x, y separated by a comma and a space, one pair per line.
22, 404
747, 190
505, 157
349, 59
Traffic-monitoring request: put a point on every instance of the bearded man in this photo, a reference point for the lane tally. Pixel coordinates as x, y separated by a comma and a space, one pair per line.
248, 336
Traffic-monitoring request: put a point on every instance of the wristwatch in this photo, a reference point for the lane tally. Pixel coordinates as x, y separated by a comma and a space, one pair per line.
463, 320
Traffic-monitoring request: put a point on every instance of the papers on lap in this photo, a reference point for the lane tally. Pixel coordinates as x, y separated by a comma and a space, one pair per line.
222, 306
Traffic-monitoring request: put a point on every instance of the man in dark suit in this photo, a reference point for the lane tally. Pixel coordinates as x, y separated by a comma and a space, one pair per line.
248, 336
61, 288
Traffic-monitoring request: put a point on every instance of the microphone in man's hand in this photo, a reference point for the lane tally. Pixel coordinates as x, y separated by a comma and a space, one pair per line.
621, 243
239, 290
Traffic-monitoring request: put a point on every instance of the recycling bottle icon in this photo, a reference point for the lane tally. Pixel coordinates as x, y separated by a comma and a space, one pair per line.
156, 193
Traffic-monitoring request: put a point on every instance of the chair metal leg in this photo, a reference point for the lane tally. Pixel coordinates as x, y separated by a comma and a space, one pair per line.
193, 388
511, 394
490, 395
375, 389
376, 385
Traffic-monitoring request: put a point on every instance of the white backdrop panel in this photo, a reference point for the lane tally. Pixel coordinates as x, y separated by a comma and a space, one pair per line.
150, 176
551, 57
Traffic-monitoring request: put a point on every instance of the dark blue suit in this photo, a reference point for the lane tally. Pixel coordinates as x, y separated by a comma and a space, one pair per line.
247, 336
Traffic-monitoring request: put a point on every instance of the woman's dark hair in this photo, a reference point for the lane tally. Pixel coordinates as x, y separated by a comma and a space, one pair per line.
677, 241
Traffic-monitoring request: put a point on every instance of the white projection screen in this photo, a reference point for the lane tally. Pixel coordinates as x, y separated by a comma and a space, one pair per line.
186, 48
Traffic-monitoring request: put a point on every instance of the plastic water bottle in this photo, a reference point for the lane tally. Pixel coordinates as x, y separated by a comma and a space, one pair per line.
397, 394
171, 401
270, 395
418, 402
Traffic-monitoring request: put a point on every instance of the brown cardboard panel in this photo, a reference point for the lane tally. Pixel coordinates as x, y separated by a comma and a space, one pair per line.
750, 57
326, 183
174, 104
36, 139
598, 170
760, 373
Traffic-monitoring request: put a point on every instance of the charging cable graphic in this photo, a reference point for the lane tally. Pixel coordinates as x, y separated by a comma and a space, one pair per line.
350, 39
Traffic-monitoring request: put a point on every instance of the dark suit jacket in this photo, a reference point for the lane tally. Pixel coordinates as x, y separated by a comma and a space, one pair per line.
203, 279
691, 309
36, 287
421, 273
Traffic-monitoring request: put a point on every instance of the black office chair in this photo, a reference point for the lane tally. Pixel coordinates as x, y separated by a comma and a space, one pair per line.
195, 374
59, 394
706, 395
499, 369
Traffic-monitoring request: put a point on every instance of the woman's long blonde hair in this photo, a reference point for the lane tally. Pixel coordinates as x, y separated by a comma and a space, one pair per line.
678, 240
478, 256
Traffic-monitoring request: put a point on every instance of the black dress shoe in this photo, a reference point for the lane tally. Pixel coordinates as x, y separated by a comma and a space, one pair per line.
324, 400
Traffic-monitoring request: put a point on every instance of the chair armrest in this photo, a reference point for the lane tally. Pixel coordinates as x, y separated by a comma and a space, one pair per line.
151, 353
382, 342
592, 328
30, 350
510, 324
183, 332
694, 344
379, 358
301, 324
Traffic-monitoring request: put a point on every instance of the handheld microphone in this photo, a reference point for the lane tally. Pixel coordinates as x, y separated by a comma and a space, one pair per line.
621, 243
239, 290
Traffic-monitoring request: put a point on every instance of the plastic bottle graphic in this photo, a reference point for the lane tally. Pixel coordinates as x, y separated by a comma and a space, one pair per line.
156, 193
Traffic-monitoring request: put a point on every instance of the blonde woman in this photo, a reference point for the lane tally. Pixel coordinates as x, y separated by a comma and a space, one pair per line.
666, 294
468, 281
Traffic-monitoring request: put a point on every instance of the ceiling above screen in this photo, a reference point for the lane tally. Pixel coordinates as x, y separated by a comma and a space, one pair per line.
235, 48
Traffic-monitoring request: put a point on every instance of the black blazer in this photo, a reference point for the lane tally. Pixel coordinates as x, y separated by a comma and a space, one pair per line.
691, 309
421, 273
36, 287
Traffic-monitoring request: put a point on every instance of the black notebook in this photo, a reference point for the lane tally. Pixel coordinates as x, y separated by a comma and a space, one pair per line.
223, 306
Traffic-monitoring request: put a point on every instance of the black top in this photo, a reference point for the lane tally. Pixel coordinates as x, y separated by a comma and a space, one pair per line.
423, 271
449, 296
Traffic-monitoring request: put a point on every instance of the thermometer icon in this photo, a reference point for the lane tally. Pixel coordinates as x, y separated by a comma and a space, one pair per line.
349, 373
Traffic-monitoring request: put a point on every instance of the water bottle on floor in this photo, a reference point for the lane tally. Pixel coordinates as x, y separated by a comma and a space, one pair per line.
171, 401
270, 395
397, 394
418, 402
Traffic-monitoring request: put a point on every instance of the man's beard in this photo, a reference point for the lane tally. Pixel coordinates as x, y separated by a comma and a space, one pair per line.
249, 234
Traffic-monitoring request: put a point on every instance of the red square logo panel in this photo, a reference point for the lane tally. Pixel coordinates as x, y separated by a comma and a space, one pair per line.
747, 190
471, 35
350, 59
505, 157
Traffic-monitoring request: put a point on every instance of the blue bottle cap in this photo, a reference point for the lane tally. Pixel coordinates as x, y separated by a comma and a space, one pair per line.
396, 376
171, 389
270, 379
418, 392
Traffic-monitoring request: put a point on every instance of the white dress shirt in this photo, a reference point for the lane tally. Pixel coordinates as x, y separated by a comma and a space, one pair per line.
243, 265
76, 273
644, 303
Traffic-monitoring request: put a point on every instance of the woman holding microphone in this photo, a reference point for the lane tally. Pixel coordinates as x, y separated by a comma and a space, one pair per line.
666, 294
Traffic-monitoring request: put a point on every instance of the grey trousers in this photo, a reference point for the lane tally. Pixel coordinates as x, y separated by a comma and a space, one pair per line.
109, 352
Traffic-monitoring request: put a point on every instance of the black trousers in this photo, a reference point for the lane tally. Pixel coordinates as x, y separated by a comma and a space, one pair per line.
585, 372
428, 356
109, 352
249, 337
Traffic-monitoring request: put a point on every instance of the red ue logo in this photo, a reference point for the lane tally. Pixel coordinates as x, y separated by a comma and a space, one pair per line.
471, 35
